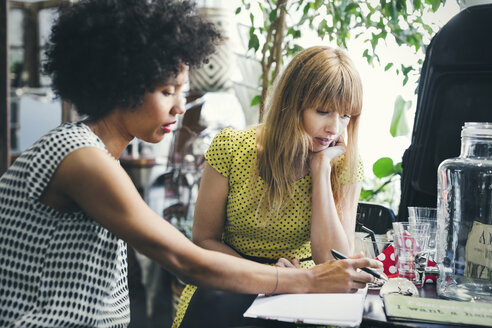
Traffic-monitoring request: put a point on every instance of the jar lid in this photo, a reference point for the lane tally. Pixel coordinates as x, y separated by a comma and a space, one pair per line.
477, 129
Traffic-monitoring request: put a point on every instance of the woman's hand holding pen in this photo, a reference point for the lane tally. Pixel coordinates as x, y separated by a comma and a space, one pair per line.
343, 276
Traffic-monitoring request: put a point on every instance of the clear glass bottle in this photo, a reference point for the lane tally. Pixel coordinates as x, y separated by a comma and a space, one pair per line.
464, 218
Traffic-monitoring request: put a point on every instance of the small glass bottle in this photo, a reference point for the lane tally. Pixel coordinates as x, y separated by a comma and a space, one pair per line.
464, 218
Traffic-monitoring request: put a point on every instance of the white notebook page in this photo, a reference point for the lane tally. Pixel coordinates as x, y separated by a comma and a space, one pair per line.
326, 309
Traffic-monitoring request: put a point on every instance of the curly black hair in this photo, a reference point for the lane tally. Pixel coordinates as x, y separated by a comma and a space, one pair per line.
105, 54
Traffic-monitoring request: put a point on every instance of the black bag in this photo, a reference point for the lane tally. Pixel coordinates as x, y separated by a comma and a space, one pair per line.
455, 87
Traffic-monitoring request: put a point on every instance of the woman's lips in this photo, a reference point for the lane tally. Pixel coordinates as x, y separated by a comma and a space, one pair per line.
324, 141
167, 127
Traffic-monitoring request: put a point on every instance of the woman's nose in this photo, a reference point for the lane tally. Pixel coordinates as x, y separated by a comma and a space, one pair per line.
332, 124
179, 105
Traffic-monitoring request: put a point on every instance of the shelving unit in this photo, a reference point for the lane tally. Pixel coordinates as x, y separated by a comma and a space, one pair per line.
27, 76
4, 90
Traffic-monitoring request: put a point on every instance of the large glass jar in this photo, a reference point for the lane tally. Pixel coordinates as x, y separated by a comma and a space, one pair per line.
464, 218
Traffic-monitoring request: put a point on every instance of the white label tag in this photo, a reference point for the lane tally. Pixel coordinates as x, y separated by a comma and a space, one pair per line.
478, 251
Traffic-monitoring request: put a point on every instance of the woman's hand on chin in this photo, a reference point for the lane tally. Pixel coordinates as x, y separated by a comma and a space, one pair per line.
322, 159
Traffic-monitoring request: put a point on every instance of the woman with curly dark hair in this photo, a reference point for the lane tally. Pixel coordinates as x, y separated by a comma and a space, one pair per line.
66, 205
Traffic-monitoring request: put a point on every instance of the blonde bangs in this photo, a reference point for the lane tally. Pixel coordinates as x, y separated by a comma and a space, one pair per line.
337, 88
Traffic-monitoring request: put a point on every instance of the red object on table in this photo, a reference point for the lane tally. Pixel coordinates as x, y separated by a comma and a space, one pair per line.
389, 258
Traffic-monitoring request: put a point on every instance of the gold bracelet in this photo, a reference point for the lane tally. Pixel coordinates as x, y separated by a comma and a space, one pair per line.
276, 283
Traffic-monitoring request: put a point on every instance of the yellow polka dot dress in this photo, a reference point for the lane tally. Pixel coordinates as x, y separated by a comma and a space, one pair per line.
233, 154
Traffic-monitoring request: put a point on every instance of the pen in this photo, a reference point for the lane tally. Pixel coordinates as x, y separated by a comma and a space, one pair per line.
339, 256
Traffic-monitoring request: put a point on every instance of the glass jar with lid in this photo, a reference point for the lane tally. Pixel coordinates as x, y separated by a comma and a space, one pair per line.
464, 218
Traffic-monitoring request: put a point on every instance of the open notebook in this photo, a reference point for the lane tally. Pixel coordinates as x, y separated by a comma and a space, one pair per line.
325, 309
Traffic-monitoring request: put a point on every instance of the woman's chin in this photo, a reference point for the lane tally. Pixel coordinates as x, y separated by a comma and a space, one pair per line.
318, 148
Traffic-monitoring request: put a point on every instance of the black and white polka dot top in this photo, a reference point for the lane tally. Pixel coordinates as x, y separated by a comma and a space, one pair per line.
56, 269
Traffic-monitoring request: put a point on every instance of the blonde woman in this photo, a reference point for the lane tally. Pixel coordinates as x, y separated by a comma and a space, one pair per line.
284, 192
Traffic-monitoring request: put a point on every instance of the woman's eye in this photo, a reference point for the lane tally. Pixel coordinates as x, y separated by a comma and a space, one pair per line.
346, 116
322, 112
168, 93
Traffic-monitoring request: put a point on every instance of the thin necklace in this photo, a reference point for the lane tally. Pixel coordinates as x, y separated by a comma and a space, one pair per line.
93, 130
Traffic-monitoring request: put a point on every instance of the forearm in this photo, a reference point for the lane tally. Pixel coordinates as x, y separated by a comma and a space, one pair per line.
221, 271
218, 270
179, 255
327, 230
216, 245
234, 274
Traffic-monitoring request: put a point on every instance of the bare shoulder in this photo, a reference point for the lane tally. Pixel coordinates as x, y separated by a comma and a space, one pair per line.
85, 170
87, 161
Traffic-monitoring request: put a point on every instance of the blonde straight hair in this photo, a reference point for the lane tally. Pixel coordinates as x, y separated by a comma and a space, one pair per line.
318, 77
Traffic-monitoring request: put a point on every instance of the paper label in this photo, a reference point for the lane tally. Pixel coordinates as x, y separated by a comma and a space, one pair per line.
399, 307
478, 252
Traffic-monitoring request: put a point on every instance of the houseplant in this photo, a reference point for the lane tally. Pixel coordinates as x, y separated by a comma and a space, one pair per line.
275, 35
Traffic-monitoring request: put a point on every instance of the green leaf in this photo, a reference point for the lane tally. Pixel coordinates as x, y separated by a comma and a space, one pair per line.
306, 9
367, 56
434, 3
428, 29
388, 66
366, 194
406, 70
238, 10
261, 7
399, 125
401, 5
322, 27
374, 41
273, 15
351, 7
398, 168
255, 101
254, 42
295, 49
383, 167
